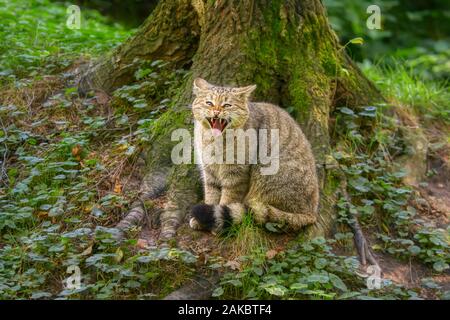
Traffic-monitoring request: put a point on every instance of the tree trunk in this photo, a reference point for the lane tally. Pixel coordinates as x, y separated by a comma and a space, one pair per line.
285, 47
170, 33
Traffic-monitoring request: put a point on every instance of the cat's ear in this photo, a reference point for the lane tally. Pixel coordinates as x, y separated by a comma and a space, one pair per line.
245, 91
200, 85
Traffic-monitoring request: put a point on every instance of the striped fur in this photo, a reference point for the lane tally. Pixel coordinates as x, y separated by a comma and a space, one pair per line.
290, 196
216, 217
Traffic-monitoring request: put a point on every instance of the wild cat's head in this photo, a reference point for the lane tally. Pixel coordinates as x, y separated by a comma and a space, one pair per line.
220, 108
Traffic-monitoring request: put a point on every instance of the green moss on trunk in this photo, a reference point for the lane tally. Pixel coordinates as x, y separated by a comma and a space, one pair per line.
286, 47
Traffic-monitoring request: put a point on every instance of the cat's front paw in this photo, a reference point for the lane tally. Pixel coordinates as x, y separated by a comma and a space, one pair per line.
203, 217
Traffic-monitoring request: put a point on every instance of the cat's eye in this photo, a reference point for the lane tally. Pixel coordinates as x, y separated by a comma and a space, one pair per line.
227, 105
209, 103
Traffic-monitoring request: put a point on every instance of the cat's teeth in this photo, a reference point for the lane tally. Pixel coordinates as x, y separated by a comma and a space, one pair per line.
217, 123
223, 123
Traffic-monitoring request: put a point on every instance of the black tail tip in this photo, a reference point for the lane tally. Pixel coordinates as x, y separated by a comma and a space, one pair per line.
204, 214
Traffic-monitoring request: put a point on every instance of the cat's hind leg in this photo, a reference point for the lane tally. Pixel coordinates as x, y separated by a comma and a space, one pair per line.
294, 221
266, 213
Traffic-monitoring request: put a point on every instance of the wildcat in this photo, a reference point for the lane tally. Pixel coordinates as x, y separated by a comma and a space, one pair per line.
289, 197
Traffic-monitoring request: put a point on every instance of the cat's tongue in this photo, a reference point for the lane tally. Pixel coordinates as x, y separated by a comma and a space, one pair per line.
217, 127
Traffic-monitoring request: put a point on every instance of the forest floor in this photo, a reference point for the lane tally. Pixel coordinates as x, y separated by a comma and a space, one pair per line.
408, 274
71, 167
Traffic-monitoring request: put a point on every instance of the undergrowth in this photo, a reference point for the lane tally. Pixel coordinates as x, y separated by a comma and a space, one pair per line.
369, 141
430, 98
305, 270
380, 199
65, 160
62, 187
35, 37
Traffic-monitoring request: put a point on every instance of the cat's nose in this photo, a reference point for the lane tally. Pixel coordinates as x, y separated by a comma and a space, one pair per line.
216, 112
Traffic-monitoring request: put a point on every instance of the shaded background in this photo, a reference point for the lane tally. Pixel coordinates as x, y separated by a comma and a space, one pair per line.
417, 31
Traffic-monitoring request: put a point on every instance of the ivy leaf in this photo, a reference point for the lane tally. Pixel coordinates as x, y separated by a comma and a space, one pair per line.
96, 211
320, 263
140, 105
258, 271
146, 259
217, 292
414, 250
298, 286
40, 295
440, 266
55, 211
337, 282
360, 184
349, 295
235, 282
132, 284
347, 111
272, 227
276, 290
321, 278
369, 111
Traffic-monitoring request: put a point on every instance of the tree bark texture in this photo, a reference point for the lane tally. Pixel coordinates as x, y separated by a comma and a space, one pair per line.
285, 47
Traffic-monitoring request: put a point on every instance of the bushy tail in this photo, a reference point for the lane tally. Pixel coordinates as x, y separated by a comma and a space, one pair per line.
216, 217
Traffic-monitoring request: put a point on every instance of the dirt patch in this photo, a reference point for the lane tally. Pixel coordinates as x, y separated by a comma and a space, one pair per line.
432, 201
206, 244
436, 191
410, 274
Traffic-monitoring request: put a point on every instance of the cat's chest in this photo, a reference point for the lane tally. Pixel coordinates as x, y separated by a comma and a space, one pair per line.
224, 172
212, 149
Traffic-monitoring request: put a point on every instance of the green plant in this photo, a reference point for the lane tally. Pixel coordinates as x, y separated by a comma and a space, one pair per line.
398, 82
379, 198
56, 201
41, 42
306, 270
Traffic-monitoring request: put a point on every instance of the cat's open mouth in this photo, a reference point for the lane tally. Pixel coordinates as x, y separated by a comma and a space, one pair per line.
217, 123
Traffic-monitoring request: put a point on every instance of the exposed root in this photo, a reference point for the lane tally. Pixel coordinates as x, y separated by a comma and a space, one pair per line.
153, 185
361, 244
362, 247
181, 196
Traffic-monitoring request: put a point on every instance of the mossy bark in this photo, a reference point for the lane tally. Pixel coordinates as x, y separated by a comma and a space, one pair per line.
286, 47
170, 33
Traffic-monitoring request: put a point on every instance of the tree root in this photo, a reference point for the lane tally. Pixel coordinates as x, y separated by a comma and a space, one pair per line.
361, 244
182, 182
182, 194
153, 185
362, 247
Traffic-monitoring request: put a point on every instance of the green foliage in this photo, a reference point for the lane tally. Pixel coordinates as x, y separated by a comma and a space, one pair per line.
55, 203
150, 76
53, 209
412, 50
411, 31
56, 206
429, 98
35, 38
378, 196
307, 270
35, 266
